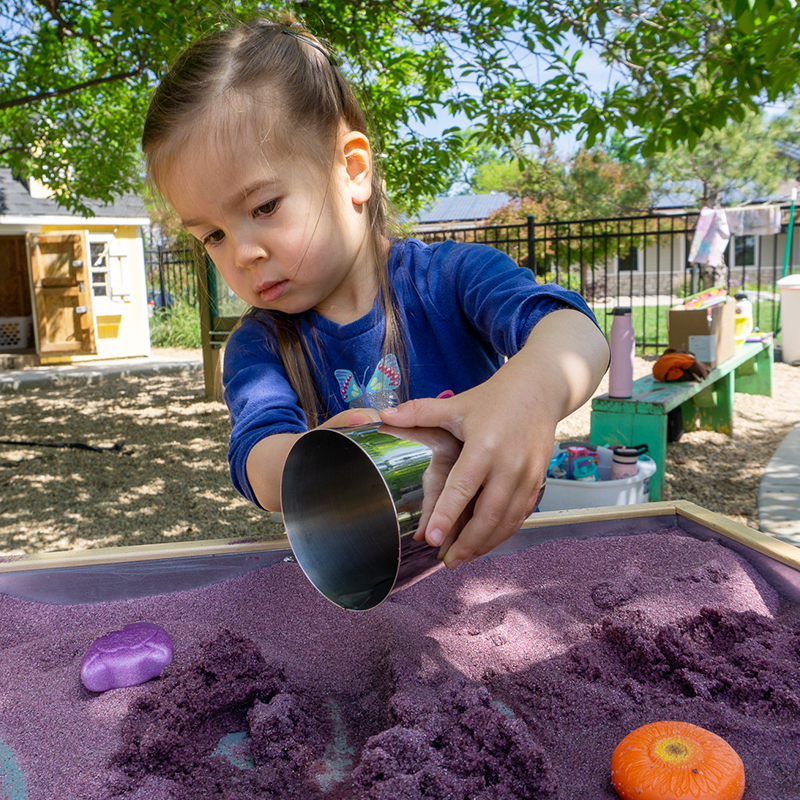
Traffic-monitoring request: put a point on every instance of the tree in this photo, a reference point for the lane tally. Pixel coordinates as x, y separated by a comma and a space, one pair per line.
740, 158
583, 194
785, 130
592, 183
75, 75
75, 78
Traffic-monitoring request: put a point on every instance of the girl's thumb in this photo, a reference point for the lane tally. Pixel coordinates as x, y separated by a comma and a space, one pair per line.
425, 413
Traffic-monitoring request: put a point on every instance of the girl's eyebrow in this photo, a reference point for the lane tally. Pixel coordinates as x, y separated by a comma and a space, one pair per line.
251, 188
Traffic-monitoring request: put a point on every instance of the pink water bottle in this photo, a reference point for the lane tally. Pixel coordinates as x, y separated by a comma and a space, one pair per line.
623, 346
626, 463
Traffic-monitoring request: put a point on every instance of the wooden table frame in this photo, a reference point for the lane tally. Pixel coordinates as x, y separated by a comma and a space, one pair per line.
707, 405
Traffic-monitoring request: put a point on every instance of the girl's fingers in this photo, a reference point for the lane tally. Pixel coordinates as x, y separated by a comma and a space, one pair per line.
455, 531
461, 487
499, 513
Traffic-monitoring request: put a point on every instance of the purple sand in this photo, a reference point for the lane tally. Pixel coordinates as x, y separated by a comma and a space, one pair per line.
137, 653
513, 677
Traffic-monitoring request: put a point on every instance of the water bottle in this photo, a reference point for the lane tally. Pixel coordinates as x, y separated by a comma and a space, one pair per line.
744, 317
574, 452
605, 458
584, 469
623, 346
743, 305
626, 463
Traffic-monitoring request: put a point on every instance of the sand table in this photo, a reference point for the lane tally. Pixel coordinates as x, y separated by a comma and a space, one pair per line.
514, 677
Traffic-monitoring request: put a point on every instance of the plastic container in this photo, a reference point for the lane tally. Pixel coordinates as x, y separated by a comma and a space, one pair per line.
623, 346
790, 318
562, 494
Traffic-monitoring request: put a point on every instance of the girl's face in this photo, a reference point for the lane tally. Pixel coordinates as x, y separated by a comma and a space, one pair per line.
283, 237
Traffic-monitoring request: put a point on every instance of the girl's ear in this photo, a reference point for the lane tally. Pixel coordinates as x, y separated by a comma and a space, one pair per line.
357, 156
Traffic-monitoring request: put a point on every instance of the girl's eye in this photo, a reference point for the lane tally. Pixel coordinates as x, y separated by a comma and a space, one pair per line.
213, 238
268, 208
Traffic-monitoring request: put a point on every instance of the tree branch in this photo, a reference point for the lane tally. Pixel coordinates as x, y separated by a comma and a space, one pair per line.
78, 87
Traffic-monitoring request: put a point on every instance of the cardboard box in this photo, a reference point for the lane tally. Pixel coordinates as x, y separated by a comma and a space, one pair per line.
709, 333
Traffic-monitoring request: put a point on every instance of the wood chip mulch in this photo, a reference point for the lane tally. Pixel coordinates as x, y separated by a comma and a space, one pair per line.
143, 460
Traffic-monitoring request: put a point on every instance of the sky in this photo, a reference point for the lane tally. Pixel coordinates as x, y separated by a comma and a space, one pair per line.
598, 75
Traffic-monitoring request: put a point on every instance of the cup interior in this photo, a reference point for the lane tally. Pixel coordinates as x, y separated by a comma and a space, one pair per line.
340, 520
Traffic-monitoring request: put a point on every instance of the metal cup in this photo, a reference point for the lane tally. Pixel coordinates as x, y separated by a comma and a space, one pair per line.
352, 500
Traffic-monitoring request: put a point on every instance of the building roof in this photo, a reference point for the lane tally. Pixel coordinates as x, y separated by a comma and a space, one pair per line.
683, 195
788, 149
462, 208
17, 203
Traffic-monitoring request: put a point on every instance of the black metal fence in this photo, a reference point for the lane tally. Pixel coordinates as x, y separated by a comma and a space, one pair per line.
637, 261
641, 262
171, 277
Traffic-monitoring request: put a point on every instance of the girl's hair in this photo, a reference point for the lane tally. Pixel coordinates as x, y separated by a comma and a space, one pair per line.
292, 94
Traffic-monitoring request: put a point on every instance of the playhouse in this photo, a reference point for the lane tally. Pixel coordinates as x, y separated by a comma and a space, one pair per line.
73, 287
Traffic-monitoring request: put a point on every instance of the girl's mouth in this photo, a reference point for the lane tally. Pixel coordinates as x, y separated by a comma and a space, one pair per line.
272, 291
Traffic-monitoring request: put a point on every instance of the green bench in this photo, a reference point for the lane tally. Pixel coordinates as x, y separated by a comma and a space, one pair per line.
707, 404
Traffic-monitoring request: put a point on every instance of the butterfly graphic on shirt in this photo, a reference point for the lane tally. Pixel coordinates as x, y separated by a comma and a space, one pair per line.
378, 393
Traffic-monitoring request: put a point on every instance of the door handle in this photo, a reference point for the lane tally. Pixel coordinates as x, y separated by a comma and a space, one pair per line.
77, 264
81, 309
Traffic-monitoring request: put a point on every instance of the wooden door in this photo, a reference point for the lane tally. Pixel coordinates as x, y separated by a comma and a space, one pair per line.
15, 289
62, 293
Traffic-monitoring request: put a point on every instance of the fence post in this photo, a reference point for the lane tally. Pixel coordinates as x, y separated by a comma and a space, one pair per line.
531, 245
161, 277
207, 296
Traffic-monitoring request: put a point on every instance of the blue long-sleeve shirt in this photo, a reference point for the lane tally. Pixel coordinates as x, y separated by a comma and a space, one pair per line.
462, 309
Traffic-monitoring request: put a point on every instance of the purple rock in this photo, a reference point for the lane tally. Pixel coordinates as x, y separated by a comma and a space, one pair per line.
128, 657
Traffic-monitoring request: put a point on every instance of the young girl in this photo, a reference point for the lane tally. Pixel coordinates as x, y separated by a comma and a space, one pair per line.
259, 145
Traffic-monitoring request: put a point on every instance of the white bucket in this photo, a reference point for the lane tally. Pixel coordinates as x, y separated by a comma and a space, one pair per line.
562, 493
790, 318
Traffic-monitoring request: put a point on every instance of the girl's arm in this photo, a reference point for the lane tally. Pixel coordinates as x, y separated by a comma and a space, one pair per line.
508, 428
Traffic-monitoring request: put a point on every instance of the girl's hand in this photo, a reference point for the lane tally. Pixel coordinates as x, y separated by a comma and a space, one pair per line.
445, 450
507, 425
482, 495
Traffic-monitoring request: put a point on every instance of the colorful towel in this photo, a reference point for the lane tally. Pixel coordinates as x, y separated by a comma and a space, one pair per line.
710, 237
755, 221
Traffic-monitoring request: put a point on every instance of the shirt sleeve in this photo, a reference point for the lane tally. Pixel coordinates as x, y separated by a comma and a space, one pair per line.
259, 397
488, 291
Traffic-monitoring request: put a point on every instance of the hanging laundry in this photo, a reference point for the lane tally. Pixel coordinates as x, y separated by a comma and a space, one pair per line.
754, 220
710, 237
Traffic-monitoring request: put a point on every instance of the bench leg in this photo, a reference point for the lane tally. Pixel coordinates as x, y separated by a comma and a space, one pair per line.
755, 376
715, 406
632, 429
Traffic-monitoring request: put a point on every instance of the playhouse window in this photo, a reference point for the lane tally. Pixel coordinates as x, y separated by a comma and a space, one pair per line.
99, 268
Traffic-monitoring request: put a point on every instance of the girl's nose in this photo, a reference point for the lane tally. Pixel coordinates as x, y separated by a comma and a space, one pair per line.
248, 251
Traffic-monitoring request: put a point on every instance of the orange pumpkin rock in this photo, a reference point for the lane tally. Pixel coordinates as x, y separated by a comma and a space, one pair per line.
676, 761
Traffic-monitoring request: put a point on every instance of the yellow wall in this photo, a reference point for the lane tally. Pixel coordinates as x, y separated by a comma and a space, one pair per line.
121, 325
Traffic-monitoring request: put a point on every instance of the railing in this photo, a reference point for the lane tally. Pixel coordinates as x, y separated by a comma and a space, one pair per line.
171, 276
640, 262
